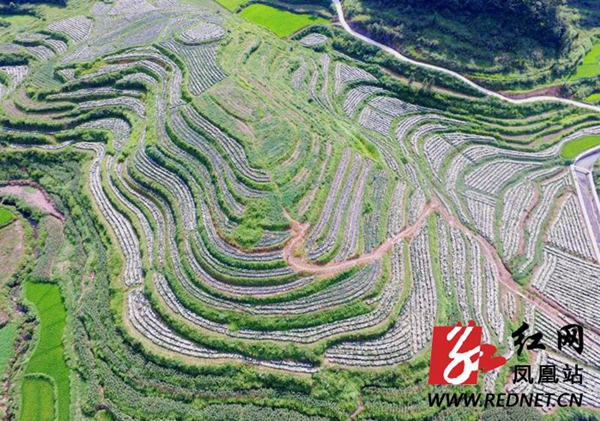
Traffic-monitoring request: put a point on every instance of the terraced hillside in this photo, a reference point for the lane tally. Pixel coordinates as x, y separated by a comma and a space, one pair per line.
258, 228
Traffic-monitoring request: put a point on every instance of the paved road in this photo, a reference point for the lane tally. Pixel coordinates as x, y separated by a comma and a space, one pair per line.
342, 19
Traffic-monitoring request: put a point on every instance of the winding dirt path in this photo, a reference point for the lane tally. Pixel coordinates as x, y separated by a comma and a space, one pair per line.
300, 264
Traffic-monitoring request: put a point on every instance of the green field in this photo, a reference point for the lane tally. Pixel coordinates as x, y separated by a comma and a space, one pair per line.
6, 217
590, 66
281, 22
231, 5
38, 399
574, 148
593, 98
48, 357
7, 338
19, 19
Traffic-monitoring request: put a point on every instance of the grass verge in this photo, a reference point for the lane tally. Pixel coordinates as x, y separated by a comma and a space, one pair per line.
7, 338
590, 66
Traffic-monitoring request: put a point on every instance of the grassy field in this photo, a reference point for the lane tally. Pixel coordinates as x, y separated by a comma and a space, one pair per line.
38, 399
48, 357
593, 98
6, 217
231, 5
590, 66
281, 22
19, 19
574, 148
11, 249
7, 337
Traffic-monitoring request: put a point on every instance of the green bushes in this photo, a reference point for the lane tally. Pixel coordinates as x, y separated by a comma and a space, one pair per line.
38, 398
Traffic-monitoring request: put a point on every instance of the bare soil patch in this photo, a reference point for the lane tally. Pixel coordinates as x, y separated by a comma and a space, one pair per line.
32, 195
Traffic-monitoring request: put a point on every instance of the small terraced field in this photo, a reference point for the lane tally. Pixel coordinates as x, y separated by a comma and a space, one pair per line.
575, 147
591, 64
6, 217
281, 22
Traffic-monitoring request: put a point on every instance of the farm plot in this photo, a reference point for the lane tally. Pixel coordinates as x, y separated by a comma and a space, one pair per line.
203, 33
281, 22
570, 281
590, 67
6, 217
200, 63
313, 39
46, 390
77, 28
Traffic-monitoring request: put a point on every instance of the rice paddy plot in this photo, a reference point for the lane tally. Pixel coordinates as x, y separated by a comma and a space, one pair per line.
38, 399
590, 66
574, 148
47, 364
231, 5
6, 217
280, 22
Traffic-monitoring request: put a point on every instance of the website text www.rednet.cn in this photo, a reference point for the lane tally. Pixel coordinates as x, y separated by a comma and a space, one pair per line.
491, 400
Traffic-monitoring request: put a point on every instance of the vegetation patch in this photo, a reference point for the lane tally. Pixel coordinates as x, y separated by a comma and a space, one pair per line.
281, 22
7, 338
38, 399
574, 148
6, 217
48, 358
231, 5
590, 67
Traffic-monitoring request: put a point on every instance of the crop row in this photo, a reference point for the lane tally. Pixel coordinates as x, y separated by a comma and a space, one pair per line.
570, 281
123, 229
324, 243
568, 231
77, 28
549, 192
202, 33
148, 323
356, 96
345, 74
391, 348
201, 64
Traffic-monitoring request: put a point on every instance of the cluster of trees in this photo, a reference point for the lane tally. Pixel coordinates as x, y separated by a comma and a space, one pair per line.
539, 19
488, 36
16, 4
